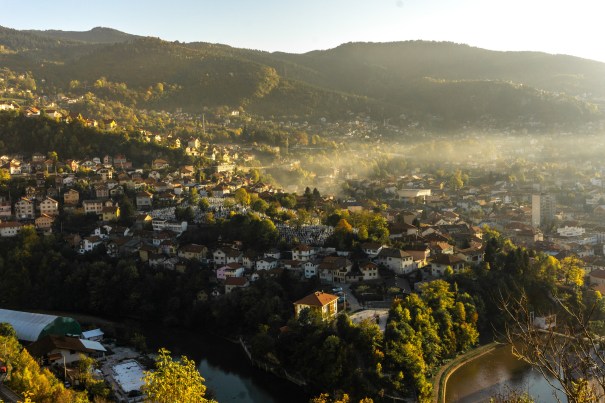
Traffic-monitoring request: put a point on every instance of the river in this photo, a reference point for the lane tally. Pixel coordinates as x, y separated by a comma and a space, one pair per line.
228, 373
496, 372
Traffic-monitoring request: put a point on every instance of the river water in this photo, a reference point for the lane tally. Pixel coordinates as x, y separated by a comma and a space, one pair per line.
496, 372
228, 373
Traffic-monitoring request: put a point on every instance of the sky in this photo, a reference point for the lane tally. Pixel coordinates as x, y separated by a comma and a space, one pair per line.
554, 26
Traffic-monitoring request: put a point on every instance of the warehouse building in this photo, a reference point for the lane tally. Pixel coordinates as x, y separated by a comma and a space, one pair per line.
31, 327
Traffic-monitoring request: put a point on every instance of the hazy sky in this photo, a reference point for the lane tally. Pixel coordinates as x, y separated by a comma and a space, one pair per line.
553, 26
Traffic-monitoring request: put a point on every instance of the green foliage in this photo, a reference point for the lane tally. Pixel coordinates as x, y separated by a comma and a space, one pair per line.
425, 329
174, 381
26, 376
23, 135
6, 330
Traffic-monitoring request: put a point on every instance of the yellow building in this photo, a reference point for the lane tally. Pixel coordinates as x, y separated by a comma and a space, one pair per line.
325, 304
111, 213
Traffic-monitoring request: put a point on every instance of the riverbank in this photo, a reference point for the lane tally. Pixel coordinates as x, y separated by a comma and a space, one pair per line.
442, 376
230, 376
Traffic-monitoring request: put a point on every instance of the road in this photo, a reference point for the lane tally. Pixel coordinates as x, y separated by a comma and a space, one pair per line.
354, 305
8, 395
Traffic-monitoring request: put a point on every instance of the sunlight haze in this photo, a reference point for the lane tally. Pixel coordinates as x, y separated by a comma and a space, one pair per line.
297, 27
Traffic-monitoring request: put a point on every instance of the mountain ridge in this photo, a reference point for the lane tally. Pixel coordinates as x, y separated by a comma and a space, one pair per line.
428, 81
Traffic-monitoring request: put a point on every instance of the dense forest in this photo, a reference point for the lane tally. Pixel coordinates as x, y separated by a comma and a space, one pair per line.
20, 134
444, 84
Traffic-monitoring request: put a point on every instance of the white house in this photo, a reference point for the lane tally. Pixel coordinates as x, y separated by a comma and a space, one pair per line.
92, 206
24, 208
223, 256
266, 263
88, 244
303, 252
311, 268
396, 260
9, 228
371, 249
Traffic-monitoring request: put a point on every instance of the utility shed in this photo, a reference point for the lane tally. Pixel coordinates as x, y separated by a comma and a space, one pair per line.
33, 326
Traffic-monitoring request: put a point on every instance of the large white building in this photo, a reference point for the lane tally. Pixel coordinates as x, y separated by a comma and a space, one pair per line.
570, 231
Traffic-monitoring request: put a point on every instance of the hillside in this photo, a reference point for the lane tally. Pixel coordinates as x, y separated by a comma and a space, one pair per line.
95, 35
437, 83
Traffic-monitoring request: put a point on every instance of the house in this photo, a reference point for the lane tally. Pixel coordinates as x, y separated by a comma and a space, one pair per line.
396, 260
146, 251
53, 113
61, 350
102, 191
174, 226
266, 263
223, 256
24, 208
193, 142
324, 304
303, 252
109, 124
439, 248
111, 213
9, 228
159, 164
5, 209
71, 197
473, 255
293, 265
371, 249
144, 200
49, 207
419, 255
273, 252
169, 247
93, 206
44, 222
230, 270
369, 271
93, 335
249, 259
88, 244
440, 263
73, 165
193, 252
311, 268
334, 269
187, 171
232, 283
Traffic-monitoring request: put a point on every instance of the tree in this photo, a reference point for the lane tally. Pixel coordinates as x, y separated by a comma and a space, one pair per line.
242, 196
204, 204
568, 355
260, 205
174, 381
7, 330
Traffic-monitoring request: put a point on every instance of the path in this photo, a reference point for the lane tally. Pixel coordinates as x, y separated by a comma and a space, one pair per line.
8, 395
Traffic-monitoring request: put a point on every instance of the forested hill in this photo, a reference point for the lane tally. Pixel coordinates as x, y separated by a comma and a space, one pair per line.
447, 83
19, 134
95, 35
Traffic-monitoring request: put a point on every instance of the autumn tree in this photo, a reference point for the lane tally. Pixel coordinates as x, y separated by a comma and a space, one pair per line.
567, 355
174, 381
